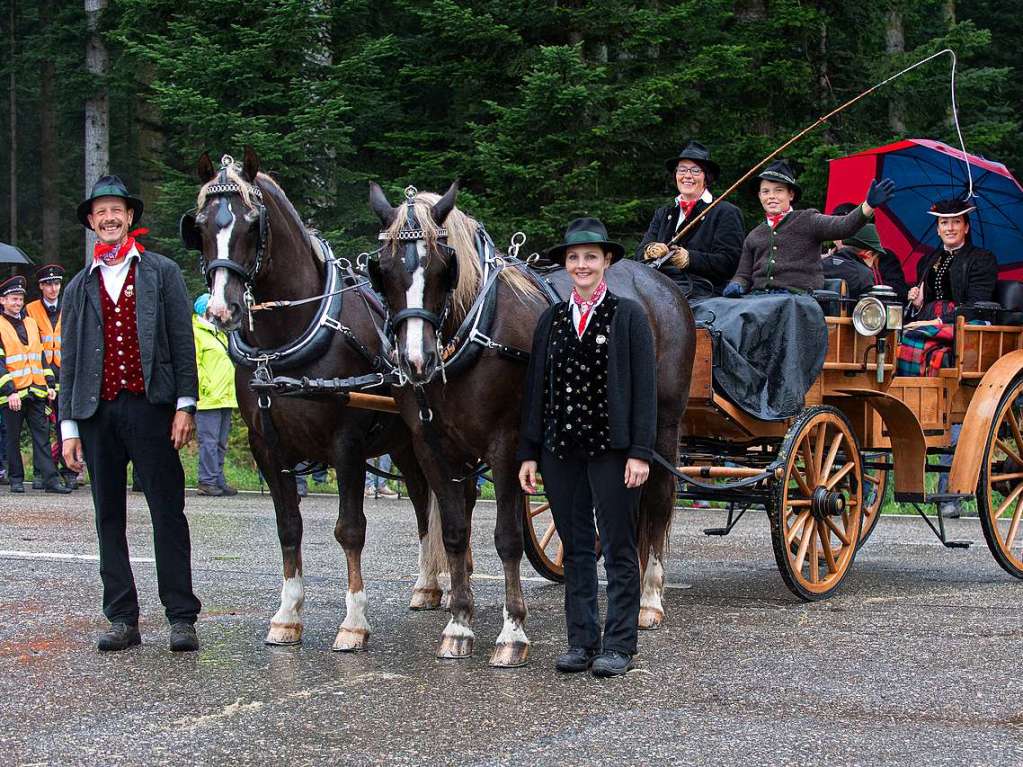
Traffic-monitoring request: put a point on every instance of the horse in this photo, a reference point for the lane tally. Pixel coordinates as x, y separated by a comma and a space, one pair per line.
255, 245
430, 277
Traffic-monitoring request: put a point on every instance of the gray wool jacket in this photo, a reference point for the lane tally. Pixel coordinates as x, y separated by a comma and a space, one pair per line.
789, 255
163, 312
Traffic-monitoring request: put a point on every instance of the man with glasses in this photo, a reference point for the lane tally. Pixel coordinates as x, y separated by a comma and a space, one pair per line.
704, 260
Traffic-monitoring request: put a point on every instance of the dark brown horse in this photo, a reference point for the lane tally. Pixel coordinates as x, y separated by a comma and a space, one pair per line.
429, 279
254, 243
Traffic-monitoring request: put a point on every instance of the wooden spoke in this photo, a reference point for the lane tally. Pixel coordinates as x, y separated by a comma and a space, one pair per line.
1009, 452
830, 484
818, 454
1010, 537
829, 557
1007, 477
547, 536
815, 563
559, 555
804, 543
801, 481
830, 459
799, 502
790, 535
1008, 500
1010, 414
839, 533
808, 466
539, 510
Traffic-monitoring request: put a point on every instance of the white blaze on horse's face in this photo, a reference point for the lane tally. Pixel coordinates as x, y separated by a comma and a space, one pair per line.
218, 302
414, 300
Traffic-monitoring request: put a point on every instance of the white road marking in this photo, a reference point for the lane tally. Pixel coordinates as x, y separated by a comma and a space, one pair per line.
54, 555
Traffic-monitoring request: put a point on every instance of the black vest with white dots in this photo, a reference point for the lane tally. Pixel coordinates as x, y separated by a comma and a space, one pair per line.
575, 396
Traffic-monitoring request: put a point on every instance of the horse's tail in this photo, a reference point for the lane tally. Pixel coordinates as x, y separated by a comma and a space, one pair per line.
436, 556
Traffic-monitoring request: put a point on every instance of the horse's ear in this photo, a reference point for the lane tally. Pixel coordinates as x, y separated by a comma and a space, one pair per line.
204, 168
250, 164
444, 205
379, 203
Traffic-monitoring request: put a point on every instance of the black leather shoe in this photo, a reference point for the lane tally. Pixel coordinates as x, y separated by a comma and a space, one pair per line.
57, 487
575, 660
611, 663
37, 484
121, 636
17, 487
183, 638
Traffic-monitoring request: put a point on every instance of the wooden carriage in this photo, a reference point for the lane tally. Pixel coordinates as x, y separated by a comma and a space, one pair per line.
823, 475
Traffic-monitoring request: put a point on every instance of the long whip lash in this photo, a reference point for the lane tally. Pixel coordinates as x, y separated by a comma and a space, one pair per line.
820, 121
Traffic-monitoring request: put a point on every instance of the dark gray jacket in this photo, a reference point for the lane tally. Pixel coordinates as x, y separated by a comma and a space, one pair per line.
163, 312
789, 255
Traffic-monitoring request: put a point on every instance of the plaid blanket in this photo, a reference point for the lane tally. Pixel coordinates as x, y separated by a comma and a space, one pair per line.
923, 350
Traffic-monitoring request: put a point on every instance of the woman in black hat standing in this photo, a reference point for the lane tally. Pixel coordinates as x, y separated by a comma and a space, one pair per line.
708, 255
783, 253
588, 424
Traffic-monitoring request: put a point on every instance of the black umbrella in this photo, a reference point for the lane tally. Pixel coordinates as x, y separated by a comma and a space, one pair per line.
9, 254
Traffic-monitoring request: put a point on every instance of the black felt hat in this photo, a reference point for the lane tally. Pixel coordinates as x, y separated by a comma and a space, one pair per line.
699, 154
781, 172
110, 186
951, 208
585, 231
15, 284
50, 273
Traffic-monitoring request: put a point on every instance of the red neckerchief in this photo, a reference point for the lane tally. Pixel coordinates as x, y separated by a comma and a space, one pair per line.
686, 206
586, 307
772, 221
109, 254
864, 255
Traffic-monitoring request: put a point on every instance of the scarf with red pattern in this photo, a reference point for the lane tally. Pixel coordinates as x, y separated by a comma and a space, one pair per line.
111, 254
586, 307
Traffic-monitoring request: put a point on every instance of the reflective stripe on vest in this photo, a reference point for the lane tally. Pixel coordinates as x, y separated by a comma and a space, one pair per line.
24, 366
49, 336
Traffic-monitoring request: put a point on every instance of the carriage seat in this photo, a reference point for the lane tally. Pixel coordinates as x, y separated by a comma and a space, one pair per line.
1009, 295
831, 295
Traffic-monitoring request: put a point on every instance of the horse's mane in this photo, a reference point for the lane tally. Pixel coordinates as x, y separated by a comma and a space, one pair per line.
461, 229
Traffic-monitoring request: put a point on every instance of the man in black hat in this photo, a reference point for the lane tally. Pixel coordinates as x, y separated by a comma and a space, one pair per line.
46, 313
703, 261
128, 392
25, 387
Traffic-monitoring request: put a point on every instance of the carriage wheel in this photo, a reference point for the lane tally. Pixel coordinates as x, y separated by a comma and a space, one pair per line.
1000, 491
543, 545
875, 485
817, 505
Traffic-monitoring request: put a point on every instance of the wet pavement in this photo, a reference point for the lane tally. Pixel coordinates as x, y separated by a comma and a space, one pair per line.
916, 660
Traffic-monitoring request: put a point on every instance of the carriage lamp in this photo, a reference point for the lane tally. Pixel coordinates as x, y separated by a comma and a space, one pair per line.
877, 314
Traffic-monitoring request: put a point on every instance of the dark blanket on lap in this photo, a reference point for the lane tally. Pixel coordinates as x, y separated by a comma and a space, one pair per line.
768, 350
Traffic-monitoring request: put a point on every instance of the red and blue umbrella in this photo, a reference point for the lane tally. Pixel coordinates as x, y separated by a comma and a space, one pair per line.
924, 172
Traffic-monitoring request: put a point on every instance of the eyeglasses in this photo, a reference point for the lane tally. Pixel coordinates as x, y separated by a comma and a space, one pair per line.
686, 171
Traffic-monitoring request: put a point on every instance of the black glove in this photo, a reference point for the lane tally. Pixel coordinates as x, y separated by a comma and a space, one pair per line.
880, 192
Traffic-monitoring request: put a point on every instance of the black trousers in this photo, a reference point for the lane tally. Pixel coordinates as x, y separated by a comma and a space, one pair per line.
33, 411
129, 428
575, 488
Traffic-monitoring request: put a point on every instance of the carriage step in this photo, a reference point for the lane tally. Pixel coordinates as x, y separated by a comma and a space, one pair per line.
716, 530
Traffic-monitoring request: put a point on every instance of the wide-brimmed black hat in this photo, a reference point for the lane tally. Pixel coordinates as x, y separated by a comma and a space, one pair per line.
585, 231
110, 186
782, 172
950, 208
50, 273
15, 284
699, 154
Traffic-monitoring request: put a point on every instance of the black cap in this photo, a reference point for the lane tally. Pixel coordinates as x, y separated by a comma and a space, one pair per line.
781, 172
50, 273
15, 284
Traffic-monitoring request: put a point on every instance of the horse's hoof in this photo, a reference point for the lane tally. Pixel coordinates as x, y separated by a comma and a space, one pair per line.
350, 640
651, 618
510, 655
455, 647
425, 599
284, 634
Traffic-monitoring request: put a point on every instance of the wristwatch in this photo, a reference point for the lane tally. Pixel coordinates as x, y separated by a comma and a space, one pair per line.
190, 409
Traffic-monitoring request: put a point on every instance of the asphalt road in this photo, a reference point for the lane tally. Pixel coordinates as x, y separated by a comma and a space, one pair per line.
916, 660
